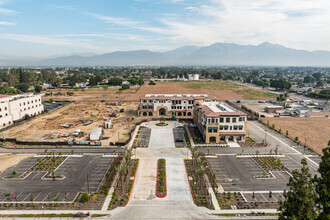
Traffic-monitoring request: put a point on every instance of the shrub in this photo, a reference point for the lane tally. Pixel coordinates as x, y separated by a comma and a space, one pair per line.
84, 197
14, 172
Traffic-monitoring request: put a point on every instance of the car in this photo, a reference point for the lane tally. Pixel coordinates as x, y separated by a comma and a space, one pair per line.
122, 110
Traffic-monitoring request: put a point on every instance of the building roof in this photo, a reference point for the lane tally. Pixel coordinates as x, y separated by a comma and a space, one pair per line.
217, 109
176, 96
318, 114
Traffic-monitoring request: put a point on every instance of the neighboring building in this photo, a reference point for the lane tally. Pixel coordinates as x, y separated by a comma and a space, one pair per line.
96, 134
273, 109
194, 77
219, 122
171, 105
13, 108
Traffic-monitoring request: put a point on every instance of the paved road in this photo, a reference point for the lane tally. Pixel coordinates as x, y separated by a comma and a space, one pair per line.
64, 150
178, 204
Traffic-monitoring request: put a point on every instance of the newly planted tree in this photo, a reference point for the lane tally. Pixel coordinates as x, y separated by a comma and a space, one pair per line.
300, 199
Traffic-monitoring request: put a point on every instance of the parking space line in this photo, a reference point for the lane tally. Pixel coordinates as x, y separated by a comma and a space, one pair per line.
18, 195
26, 197
65, 197
36, 196
263, 197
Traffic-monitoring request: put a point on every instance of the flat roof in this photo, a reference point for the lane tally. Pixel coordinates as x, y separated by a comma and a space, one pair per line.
217, 109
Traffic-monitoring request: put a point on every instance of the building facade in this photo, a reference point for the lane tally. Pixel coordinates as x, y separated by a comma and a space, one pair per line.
13, 108
217, 121
171, 105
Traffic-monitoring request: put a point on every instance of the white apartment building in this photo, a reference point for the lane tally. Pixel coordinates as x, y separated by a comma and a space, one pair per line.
13, 108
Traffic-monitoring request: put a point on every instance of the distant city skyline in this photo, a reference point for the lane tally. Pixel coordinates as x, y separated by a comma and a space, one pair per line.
56, 27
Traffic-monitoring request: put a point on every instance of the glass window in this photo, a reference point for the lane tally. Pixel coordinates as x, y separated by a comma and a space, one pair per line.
215, 129
235, 127
234, 120
221, 127
227, 119
240, 119
221, 119
226, 127
210, 130
240, 127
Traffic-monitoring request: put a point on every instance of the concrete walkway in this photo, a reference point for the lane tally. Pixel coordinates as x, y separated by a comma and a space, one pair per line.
178, 203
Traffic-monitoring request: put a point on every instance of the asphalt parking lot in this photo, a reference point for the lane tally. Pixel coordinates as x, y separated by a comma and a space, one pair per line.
238, 174
144, 137
75, 170
178, 134
263, 197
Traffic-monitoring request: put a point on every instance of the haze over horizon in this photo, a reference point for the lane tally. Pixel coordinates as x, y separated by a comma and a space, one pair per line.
57, 27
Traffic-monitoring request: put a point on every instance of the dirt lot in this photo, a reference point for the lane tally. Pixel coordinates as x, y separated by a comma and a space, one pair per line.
316, 131
258, 107
10, 160
223, 90
46, 128
93, 94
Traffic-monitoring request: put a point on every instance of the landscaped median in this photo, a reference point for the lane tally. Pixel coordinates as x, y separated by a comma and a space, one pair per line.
161, 187
126, 170
195, 171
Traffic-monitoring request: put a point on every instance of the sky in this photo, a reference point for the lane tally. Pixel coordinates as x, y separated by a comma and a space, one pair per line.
43, 28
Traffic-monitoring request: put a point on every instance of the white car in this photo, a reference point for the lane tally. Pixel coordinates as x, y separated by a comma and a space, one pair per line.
76, 133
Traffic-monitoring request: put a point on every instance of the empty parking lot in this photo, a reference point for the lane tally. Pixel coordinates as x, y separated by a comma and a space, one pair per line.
82, 174
238, 174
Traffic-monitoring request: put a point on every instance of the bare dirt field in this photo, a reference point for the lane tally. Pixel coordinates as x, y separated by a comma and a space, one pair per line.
316, 131
9, 160
93, 94
49, 127
223, 90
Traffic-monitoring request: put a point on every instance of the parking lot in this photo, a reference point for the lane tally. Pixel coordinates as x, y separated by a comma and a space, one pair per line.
238, 174
144, 137
178, 134
263, 197
82, 174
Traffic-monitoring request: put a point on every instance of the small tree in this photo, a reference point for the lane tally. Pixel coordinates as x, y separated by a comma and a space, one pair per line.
14, 172
37, 89
287, 133
296, 138
280, 131
84, 197
300, 199
123, 87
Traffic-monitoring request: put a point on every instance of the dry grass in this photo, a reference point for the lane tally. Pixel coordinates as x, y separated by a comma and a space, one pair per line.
223, 90
316, 131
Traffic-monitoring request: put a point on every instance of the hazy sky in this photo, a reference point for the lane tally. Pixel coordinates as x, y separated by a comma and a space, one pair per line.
56, 27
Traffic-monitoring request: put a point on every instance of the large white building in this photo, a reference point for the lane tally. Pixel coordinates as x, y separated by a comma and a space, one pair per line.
13, 108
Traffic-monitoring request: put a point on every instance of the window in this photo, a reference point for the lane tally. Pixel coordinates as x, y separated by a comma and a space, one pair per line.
240, 119
227, 119
235, 127
215, 129
6, 114
221, 127
5, 108
240, 127
0, 109
221, 119
226, 127
213, 121
231, 128
210, 129
234, 120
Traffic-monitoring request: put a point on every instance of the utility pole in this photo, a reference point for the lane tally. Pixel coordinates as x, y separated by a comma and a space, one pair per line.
87, 184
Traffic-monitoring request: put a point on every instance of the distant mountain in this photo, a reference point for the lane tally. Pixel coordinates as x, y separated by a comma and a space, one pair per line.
265, 54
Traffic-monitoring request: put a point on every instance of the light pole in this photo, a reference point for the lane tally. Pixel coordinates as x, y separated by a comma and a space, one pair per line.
265, 136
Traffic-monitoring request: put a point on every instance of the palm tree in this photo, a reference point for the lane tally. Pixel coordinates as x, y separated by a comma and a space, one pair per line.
121, 170
201, 169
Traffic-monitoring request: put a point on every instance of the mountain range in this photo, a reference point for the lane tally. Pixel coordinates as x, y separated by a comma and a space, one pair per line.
265, 54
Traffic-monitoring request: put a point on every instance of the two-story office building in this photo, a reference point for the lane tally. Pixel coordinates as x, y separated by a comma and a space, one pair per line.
171, 105
13, 108
219, 122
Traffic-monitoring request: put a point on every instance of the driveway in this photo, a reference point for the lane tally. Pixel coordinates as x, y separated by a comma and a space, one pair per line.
178, 203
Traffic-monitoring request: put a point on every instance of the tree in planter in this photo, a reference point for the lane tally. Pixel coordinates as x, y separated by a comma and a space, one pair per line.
300, 199
121, 170
322, 185
84, 197
201, 169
